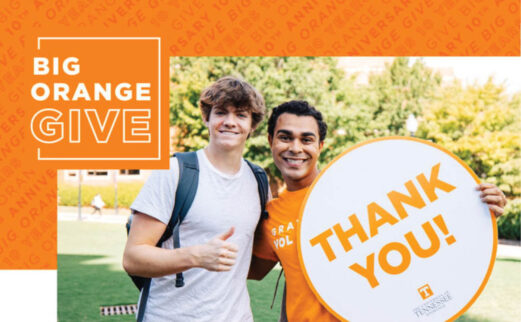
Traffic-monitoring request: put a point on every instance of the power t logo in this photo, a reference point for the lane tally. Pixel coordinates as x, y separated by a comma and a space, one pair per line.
97, 99
425, 291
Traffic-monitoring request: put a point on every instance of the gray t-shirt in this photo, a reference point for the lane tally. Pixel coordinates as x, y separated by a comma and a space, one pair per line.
222, 201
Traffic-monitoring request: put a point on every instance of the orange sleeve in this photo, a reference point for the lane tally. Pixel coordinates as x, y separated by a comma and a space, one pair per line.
262, 245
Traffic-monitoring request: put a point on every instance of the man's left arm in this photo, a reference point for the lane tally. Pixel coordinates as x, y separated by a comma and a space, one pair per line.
493, 197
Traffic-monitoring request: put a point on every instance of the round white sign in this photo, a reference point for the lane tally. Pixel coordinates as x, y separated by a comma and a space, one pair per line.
394, 230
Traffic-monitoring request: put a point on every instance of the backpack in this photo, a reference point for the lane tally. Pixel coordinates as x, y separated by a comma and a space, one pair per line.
184, 197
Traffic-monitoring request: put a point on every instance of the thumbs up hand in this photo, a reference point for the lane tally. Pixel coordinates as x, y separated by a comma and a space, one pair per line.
218, 254
227, 234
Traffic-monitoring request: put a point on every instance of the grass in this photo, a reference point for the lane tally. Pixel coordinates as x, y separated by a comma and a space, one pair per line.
90, 275
501, 297
90, 272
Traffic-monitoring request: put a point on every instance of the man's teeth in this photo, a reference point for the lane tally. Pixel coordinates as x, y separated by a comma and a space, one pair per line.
295, 161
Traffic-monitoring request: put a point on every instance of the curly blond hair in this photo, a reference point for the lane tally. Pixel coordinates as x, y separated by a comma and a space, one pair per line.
232, 91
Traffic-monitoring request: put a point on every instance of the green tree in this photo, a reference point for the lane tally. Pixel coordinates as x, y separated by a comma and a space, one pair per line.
401, 89
482, 125
381, 107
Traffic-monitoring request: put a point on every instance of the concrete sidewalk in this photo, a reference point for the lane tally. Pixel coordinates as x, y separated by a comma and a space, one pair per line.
107, 216
505, 249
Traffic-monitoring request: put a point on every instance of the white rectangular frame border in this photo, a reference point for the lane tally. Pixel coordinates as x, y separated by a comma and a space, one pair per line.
159, 97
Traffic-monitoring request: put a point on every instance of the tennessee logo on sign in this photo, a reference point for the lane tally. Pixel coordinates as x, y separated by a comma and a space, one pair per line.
394, 230
97, 101
425, 291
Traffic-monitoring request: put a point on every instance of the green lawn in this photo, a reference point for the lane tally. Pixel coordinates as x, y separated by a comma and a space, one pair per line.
90, 275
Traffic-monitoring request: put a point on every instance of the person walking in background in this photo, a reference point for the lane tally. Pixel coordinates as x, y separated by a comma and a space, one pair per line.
97, 203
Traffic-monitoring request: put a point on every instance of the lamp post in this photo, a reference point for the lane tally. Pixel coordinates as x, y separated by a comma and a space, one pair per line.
115, 178
79, 194
411, 124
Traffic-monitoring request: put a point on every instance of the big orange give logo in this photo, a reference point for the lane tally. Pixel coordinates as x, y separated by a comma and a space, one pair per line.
98, 105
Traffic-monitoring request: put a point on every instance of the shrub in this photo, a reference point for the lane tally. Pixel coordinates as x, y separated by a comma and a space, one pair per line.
509, 225
127, 192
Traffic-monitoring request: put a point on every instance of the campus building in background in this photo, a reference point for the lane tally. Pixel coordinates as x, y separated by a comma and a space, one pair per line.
102, 177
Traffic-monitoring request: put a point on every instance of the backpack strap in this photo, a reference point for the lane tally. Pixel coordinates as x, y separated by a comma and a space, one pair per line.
262, 183
185, 193
283, 315
277, 287
184, 197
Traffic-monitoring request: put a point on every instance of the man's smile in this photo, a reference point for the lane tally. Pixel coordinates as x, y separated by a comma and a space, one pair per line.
294, 161
228, 132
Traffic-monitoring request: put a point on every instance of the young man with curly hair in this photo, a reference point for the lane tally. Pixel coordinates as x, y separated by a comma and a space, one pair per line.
217, 233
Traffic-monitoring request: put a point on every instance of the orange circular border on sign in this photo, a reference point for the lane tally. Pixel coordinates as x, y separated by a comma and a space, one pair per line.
356, 146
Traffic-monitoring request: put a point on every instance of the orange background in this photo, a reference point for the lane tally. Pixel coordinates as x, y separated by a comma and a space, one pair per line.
112, 61
297, 27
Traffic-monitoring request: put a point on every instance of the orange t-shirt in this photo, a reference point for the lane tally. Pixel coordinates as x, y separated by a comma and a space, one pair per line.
278, 242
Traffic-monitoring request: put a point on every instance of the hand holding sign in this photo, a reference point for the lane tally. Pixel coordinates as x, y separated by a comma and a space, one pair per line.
400, 213
494, 197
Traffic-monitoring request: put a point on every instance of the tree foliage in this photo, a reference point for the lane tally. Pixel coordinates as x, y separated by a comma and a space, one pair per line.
381, 107
400, 90
482, 125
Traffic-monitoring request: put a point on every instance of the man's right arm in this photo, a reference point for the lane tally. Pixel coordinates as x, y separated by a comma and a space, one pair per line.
143, 258
259, 268
263, 258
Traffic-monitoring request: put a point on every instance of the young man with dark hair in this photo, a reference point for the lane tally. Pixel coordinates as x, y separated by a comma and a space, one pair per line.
217, 233
296, 133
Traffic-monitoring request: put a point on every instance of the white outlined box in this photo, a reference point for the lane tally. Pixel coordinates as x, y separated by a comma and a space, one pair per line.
158, 156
